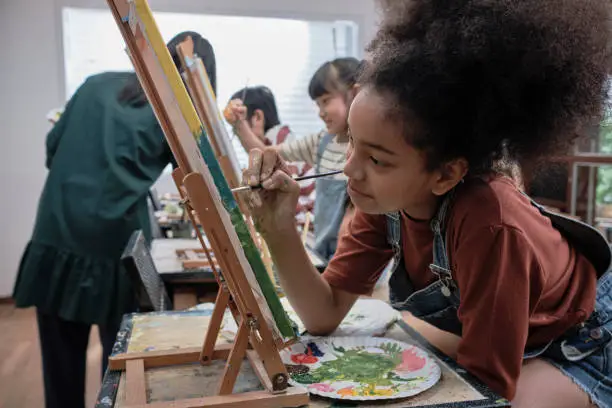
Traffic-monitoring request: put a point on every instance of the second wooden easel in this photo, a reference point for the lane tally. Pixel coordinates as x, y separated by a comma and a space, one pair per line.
204, 100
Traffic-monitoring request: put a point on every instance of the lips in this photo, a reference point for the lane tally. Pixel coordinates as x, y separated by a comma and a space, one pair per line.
352, 190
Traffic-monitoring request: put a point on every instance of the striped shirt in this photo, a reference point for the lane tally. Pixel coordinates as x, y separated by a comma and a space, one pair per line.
306, 150
281, 135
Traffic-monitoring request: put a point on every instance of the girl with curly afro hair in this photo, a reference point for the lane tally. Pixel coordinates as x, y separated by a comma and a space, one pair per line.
452, 92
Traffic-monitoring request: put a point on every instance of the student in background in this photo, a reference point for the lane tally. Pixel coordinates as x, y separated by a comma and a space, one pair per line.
262, 119
103, 155
332, 88
454, 94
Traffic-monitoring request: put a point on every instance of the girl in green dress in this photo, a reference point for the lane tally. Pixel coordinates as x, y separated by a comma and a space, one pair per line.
103, 155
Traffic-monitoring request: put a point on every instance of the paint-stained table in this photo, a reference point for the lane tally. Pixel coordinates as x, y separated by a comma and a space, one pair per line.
174, 330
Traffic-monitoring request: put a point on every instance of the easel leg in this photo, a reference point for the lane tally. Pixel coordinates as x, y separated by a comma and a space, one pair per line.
232, 367
214, 326
136, 388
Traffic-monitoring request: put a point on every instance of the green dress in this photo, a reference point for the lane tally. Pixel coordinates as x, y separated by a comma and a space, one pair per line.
102, 158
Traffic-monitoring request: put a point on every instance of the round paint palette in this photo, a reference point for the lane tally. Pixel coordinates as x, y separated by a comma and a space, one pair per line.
360, 368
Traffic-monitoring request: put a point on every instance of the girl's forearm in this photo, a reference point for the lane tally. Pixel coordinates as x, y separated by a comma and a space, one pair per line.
309, 294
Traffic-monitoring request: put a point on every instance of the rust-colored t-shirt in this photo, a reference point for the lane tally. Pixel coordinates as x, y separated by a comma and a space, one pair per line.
521, 283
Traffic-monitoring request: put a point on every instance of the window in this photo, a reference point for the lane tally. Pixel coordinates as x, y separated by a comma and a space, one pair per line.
279, 53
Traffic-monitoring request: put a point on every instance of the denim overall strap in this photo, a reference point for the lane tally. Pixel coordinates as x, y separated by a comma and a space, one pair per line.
325, 141
400, 287
394, 236
441, 265
329, 208
437, 303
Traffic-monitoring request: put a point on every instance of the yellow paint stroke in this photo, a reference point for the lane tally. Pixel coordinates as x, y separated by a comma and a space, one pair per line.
165, 60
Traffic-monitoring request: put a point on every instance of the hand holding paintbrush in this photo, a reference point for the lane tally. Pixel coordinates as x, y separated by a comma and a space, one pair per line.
312, 176
272, 194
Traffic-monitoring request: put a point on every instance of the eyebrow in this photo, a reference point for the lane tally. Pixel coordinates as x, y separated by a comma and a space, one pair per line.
374, 146
380, 148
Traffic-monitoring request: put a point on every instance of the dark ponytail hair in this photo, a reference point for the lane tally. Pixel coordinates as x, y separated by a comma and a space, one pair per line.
133, 94
338, 75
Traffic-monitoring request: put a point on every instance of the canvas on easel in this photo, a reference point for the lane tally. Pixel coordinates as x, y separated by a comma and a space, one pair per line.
263, 325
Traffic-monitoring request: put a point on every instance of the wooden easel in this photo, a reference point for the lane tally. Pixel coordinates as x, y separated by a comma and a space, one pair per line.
199, 87
263, 329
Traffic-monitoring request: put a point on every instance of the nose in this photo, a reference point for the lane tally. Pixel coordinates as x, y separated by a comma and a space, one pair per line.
322, 114
353, 169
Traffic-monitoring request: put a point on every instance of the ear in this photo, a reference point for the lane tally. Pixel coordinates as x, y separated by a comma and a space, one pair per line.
352, 93
258, 115
257, 123
449, 175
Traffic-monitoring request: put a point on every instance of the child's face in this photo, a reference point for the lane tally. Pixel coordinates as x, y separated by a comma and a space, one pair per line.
385, 173
333, 110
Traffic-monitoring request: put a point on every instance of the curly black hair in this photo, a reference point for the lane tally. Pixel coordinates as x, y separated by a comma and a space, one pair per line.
491, 79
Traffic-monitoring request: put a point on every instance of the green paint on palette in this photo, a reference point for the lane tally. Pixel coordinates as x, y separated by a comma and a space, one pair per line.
285, 326
359, 366
376, 373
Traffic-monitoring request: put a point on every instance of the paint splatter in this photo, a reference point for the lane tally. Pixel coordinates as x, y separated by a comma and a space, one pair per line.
314, 350
302, 358
347, 392
296, 369
322, 387
410, 362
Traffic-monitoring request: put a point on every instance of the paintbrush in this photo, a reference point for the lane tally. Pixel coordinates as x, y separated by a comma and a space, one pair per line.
244, 91
312, 176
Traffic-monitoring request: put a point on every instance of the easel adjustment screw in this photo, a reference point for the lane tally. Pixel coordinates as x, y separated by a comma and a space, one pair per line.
253, 323
279, 382
184, 203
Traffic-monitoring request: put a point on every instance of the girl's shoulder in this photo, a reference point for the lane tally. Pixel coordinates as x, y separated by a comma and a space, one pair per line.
491, 202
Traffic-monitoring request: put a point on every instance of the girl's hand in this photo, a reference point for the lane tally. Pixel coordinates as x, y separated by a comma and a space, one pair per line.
273, 206
235, 112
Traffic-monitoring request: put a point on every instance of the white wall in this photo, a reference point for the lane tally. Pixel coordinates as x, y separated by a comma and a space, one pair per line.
32, 83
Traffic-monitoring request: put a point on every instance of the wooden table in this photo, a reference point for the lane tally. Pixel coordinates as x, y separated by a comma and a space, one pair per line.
171, 269
185, 286
171, 330
169, 266
188, 287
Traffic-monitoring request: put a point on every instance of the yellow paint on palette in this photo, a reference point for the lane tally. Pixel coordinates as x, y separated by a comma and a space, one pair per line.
174, 78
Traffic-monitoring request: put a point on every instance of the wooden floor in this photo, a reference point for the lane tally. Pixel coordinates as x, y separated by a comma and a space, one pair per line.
21, 384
